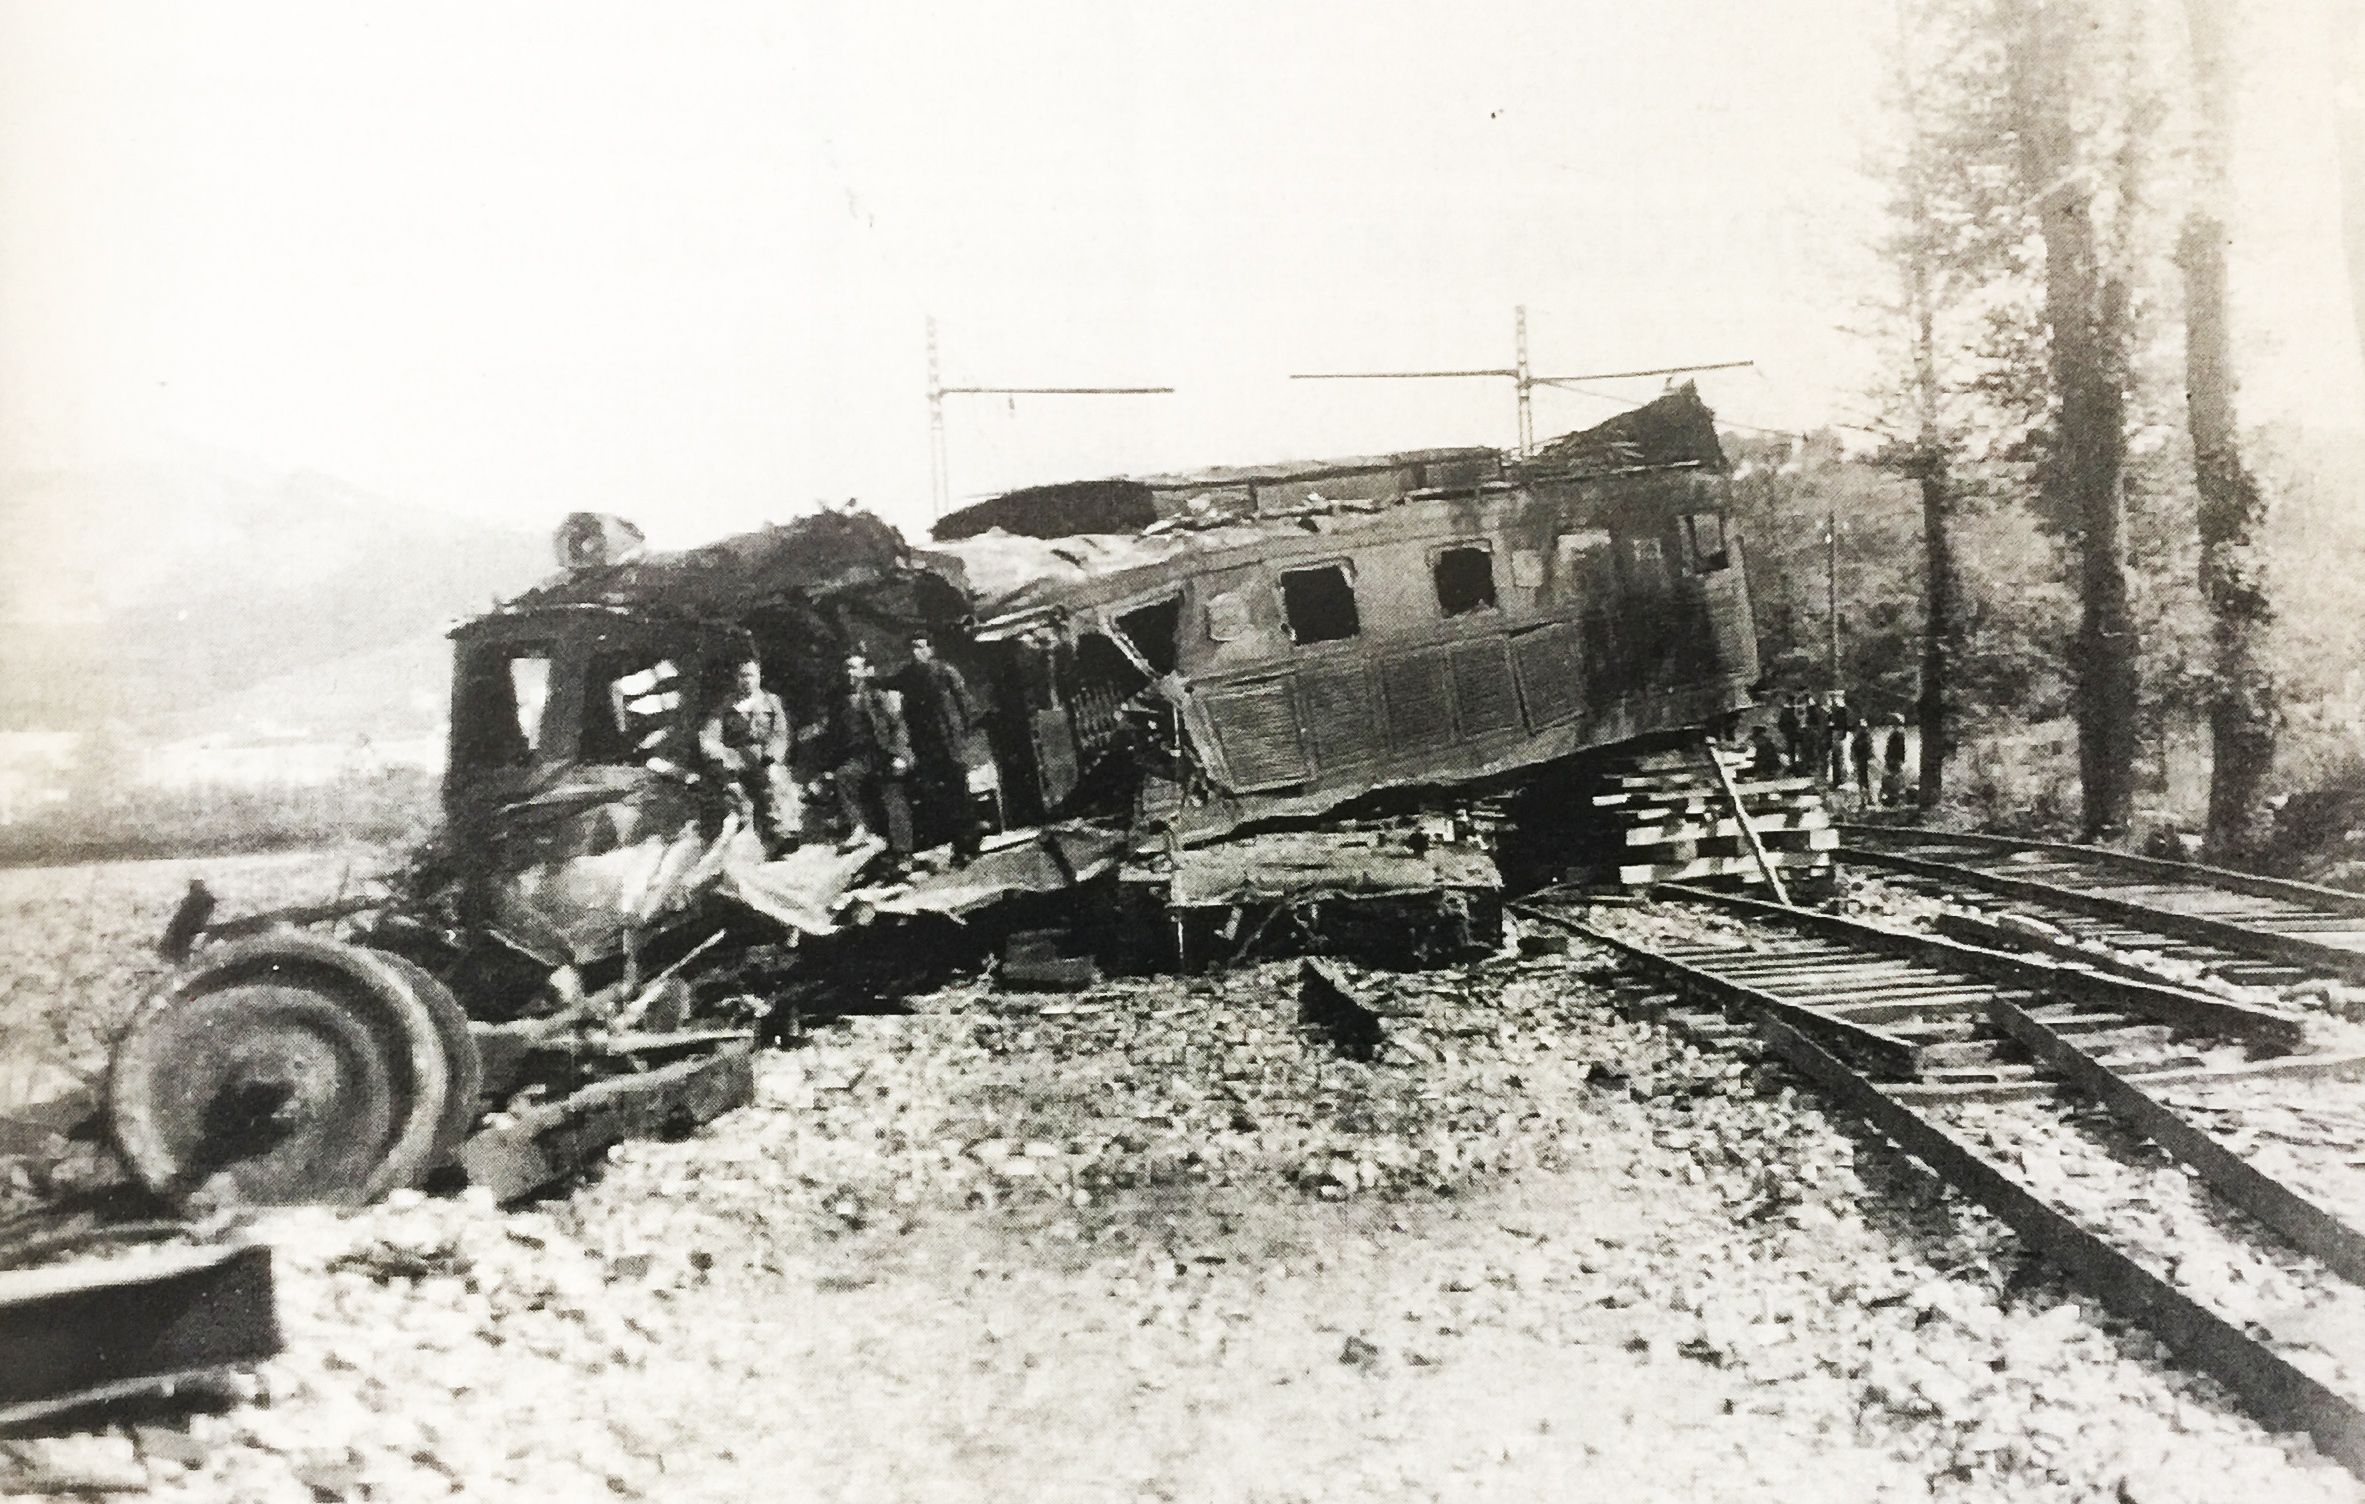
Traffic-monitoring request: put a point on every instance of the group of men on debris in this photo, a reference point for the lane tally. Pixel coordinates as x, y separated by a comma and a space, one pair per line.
1826, 739
886, 750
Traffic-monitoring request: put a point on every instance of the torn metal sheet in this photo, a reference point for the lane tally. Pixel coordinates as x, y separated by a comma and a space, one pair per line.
133, 1323
800, 889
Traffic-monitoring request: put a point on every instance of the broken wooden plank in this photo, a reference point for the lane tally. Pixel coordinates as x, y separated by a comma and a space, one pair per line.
2309, 1227
133, 1323
1328, 1001
549, 1143
1049, 973
1718, 866
1773, 821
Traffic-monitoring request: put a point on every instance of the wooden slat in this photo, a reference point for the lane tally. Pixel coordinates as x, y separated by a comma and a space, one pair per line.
2241, 939
131, 1324
1780, 820
2068, 981
549, 1143
1718, 866
1887, 1050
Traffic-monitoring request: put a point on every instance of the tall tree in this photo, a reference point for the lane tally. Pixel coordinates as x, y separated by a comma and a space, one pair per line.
2232, 508
1919, 246
2348, 43
2052, 64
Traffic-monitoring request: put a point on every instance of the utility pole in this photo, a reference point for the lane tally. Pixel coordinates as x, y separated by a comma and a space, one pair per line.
1524, 384
1831, 587
939, 466
1522, 376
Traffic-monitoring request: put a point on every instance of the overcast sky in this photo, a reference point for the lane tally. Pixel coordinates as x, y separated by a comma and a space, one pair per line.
673, 261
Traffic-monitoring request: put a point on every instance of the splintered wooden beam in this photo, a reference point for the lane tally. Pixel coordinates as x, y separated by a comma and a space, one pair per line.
136, 1323
1329, 1002
554, 1142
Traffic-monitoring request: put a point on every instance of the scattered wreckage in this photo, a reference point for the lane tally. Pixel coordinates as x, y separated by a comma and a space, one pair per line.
1312, 703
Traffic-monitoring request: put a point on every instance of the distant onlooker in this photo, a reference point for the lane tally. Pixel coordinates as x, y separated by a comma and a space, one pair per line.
1893, 763
1860, 756
1842, 721
1793, 729
1813, 760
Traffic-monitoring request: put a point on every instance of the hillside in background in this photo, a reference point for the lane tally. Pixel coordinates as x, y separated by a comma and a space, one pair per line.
202, 599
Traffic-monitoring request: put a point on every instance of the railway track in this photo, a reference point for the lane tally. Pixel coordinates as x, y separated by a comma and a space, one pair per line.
2249, 930
1977, 1062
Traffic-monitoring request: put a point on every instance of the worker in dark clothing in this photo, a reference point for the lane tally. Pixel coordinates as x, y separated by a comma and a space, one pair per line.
1843, 721
874, 760
744, 745
1893, 763
1793, 729
1860, 755
1814, 760
942, 714
1765, 758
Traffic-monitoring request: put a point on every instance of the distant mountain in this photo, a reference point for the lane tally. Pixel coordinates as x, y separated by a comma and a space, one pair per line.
208, 598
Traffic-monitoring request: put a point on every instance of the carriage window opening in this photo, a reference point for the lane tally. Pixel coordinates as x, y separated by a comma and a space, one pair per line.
1320, 604
1706, 531
500, 711
628, 704
1465, 579
1153, 629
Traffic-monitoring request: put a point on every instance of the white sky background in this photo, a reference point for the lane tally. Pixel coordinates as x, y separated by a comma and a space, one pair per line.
672, 261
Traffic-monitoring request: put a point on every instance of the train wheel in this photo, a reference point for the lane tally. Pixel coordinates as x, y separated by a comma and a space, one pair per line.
287, 1068
463, 1066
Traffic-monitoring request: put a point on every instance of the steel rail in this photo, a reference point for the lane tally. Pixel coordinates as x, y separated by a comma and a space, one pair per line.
2269, 1385
2238, 939
2274, 1390
2304, 1224
2199, 874
2178, 1006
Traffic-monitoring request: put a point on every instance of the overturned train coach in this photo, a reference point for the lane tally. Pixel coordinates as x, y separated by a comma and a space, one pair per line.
1307, 704
1238, 689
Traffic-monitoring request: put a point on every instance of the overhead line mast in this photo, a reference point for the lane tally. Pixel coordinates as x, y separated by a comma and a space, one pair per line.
1522, 376
939, 467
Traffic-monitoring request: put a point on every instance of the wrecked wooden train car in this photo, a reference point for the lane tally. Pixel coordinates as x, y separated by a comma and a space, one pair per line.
1232, 694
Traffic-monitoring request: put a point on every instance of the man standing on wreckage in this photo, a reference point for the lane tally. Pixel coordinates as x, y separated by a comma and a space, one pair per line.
942, 715
744, 744
872, 747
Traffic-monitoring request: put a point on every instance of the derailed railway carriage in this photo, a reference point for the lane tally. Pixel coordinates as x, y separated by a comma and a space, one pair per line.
1458, 621
1239, 704
1170, 667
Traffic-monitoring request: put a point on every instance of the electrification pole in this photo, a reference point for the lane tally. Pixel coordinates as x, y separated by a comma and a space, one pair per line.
1523, 379
1831, 587
939, 466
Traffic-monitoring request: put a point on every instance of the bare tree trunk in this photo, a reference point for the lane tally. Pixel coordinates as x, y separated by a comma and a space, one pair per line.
1939, 616
2349, 45
2232, 509
2086, 308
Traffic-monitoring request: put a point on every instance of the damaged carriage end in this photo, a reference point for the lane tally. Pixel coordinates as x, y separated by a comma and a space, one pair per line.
1289, 706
